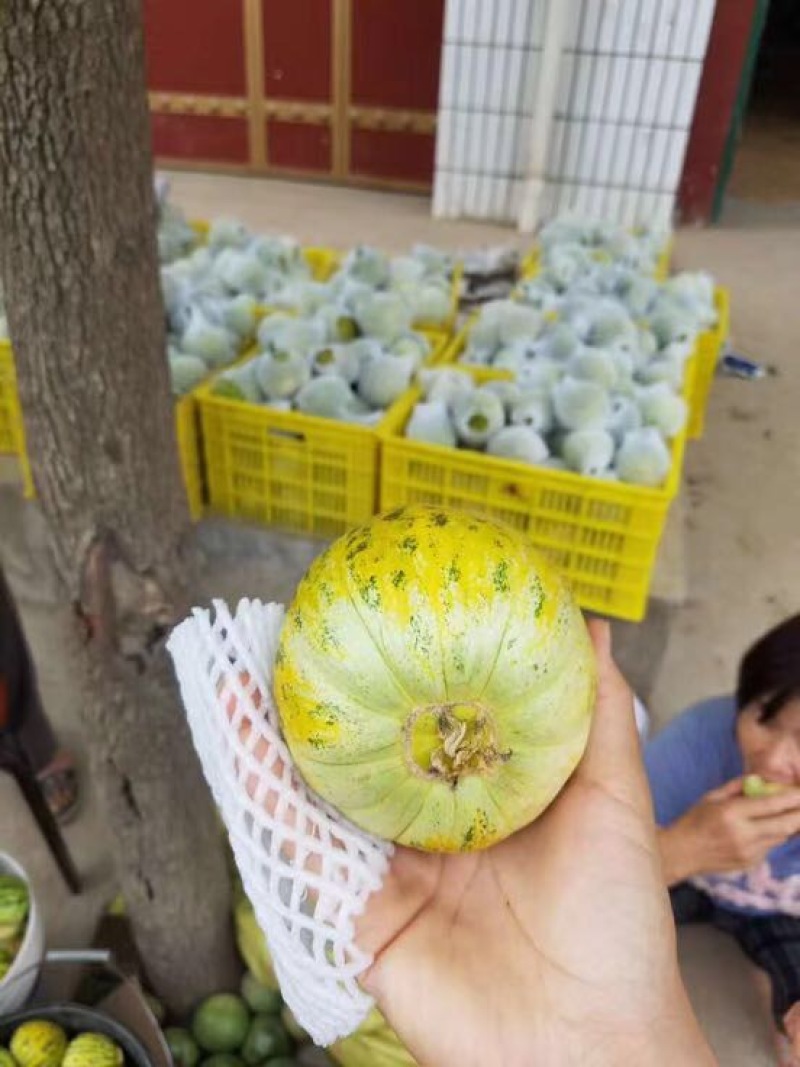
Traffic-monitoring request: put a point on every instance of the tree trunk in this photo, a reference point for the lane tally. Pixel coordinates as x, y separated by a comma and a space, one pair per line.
80, 270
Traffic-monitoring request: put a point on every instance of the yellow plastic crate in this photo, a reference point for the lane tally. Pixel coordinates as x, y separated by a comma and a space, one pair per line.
603, 535
283, 468
707, 353
457, 344
12, 434
439, 341
12, 429
190, 451
10, 414
187, 435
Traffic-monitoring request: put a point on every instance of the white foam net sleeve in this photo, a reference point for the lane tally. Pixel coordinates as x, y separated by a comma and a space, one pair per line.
307, 871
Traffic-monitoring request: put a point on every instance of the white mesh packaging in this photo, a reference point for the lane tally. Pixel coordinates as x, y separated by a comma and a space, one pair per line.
307, 871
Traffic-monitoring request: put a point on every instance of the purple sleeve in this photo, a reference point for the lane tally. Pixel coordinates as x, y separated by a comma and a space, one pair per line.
693, 754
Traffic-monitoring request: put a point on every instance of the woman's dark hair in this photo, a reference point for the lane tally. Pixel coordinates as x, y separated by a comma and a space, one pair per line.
770, 670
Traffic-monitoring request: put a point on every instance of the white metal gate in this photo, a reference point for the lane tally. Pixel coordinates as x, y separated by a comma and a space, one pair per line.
617, 118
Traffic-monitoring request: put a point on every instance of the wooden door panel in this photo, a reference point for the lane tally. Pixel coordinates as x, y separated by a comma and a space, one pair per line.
297, 49
333, 87
299, 145
395, 53
205, 138
195, 46
392, 155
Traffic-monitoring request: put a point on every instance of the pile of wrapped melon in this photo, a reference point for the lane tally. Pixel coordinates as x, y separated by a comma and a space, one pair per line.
348, 361
569, 246
423, 279
344, 328
596, 353
213, 292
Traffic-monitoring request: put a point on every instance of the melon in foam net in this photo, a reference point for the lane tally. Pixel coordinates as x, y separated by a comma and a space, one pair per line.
435, 679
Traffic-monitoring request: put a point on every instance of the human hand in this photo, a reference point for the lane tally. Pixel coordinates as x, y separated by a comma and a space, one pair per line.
728, 831
556, 946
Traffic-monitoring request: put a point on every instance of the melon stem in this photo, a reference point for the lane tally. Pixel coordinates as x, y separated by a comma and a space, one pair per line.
466, 742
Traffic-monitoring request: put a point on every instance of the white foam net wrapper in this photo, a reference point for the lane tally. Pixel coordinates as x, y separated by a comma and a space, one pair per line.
307, 871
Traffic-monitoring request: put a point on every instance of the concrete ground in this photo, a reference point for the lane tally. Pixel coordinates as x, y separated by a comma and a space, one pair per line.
741, 508
773, 135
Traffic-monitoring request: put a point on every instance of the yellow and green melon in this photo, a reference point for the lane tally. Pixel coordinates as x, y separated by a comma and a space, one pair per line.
38, 1043
93, 1050
435, 679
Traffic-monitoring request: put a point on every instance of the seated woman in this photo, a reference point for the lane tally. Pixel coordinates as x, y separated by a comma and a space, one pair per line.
725, 779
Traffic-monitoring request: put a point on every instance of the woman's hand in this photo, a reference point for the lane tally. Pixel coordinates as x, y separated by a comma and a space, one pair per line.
727, 831
556, 946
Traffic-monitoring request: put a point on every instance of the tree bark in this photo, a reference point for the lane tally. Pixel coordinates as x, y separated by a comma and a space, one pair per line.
80, 271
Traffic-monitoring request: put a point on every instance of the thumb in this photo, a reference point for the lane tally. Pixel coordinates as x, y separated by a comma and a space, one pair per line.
613, 759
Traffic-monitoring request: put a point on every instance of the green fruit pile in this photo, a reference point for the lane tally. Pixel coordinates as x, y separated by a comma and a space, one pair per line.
15, 904
42, 1043
255, 1029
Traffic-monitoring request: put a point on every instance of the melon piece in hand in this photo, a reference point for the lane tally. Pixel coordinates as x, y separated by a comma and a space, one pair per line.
753, 785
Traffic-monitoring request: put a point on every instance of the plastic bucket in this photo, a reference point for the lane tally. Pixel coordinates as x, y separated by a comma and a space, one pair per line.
84, 991
75, 1018
21, 977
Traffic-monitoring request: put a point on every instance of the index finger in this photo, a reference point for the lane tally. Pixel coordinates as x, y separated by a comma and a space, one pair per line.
775, 829
766, 807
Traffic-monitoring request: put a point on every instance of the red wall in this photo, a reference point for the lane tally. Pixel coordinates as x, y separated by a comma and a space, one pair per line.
198, 49
201, 137
396, 50
195, 46
297, 49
